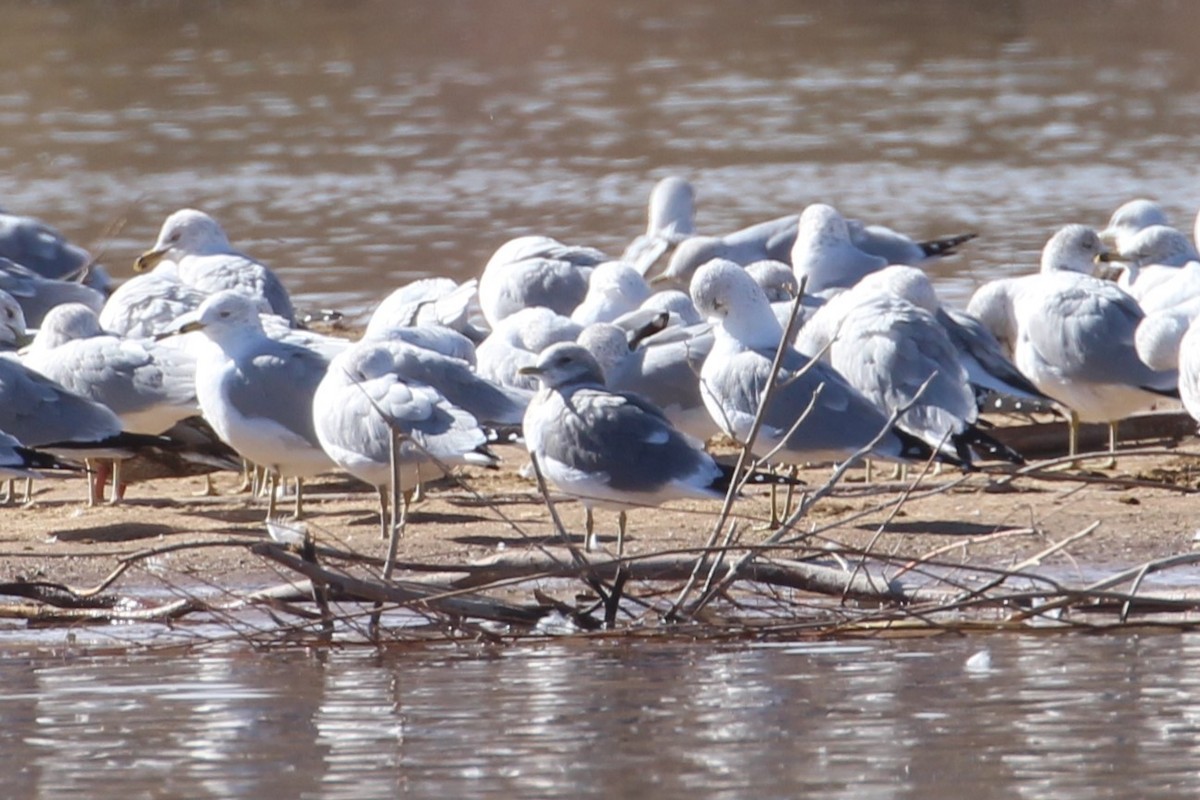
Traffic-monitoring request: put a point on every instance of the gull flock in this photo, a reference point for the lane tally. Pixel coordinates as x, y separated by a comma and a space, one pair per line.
613, 371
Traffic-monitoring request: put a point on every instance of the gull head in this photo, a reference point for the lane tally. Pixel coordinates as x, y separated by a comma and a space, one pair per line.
672, 208
1131, 218
1157, 244
12, 321
1074, 248
187, 232
821, 225
64, 323
725, 293
226, 314
776, 278
565, 364
607, 344
908, 283
689, 256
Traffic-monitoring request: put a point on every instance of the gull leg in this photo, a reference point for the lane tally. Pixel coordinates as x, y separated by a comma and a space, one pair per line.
418, 492
10, 491
28, 491
868, 469
1111, 463
299, 498
118, 491
793, 472
96, 481
589, 538
775, 516
273, 483
383, 512
209, 490
621, 520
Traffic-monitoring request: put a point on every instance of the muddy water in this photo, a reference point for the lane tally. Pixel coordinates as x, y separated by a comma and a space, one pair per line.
1063, 717
356, 145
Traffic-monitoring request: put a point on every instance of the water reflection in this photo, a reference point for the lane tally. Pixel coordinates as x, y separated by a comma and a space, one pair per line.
354, 146
1065, 716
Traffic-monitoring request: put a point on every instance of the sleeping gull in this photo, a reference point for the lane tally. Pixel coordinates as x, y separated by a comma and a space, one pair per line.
149, 385
823, 255
614, 288
610, 449
517, 341
369, 390
429, 302
1152, 257
257, 392
1073, 335
671, 218
39, 247
896, 248
770, 240
206, 260
149, 303
899, 356
837, 419
1129, 219
535, 271
37, 295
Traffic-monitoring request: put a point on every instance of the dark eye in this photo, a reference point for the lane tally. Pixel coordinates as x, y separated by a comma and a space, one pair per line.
224, 314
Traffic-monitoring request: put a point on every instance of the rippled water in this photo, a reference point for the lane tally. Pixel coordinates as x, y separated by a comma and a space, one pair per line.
354, 146
1063, 717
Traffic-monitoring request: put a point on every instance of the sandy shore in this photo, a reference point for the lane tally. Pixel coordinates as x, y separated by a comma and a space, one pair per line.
57, 538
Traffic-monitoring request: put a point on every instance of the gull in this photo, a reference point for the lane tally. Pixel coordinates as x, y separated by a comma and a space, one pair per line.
37, 295
776, 278
610, 449
42, 414
896, 248
900, 357
614, 288
1129, 219
149, 303
666, 373
535, 271
257, 392
148, 385
823, 255
373, 389
1073, 335
517, 341
18, 461
37, 246
207, 261
988, 367
1151, 258
671, 219
678, 308
770, 240
429, 302
814, 413
12, 323
1189, 370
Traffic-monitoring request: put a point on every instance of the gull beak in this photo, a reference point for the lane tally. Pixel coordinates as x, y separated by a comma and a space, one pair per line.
661, 279
1107, 257
188, 327
531, 369
146, 261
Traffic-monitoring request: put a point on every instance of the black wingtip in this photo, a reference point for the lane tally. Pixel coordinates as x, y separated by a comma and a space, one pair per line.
35, 459
945, 245
756, 478
918, 450
987, 446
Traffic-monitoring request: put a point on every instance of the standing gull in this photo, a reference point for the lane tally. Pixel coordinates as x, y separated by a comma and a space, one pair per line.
610, 449
368, 392
256, 392
814, 413
1073, 335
